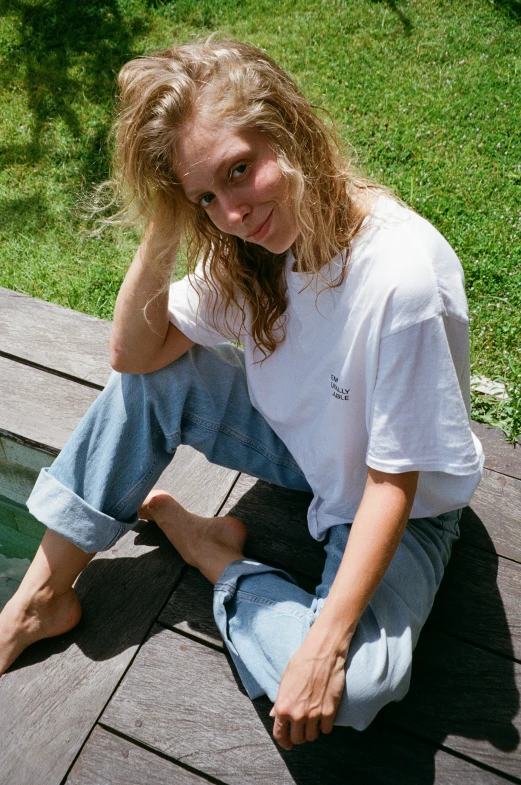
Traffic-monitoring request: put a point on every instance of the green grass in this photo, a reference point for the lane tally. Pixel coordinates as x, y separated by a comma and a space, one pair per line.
427, 92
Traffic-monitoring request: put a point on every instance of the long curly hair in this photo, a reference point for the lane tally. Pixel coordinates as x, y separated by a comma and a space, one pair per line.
238, 84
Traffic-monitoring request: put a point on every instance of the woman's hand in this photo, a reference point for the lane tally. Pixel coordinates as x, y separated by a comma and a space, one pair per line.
310, 691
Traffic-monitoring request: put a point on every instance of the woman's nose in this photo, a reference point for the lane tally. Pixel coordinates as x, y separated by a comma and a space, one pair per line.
236, 211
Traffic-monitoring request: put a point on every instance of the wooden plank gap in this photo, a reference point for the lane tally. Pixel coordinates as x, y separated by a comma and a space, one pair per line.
160, 754
469, 641
230, 490
109, 698
26, 442
454, 753
192, 636
469, 544
47, 369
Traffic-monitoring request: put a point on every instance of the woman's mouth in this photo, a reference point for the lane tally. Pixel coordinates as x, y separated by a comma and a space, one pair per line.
260, 233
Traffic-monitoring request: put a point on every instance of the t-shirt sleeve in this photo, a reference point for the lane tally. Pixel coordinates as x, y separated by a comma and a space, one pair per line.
418, 417
191, 309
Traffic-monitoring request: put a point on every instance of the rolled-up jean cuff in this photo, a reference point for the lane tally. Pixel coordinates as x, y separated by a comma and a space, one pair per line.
224, 591
67, 514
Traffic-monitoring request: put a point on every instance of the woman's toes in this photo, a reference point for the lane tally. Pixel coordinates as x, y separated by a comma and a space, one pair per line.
154, 502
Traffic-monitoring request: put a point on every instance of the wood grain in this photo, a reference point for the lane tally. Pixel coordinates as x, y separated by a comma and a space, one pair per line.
197, 484
276, 519
56, 690
38, 408
479, 601
465, 699
180, 698
500, 455
493, 521
48, 335
107, 759
189, 609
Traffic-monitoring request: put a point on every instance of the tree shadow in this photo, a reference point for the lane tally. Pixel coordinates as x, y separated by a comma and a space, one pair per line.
403, 18
66, 49
511, 8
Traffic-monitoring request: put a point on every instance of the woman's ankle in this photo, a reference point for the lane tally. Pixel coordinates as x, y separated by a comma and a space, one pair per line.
54, 569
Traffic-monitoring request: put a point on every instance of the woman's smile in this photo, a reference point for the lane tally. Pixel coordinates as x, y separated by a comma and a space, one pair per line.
236, 178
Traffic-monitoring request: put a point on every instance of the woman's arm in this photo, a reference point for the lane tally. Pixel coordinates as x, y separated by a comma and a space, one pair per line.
142, 338
313, 682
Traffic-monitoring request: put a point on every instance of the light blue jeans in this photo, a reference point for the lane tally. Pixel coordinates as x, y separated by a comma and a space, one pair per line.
94, 488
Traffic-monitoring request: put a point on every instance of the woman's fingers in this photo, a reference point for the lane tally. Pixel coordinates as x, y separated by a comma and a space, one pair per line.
281, 732
287, 732
312, 730
326, 723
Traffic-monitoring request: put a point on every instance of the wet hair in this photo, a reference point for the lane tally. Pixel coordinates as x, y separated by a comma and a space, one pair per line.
237, 84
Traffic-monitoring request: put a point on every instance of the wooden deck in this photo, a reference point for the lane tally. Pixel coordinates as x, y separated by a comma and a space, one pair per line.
142, 691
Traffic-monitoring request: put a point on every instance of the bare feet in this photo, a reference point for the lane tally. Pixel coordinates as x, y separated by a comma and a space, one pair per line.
210, 544
29, 618
44, 605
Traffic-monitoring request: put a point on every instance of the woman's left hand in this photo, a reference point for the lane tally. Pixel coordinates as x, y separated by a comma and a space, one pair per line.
309, 694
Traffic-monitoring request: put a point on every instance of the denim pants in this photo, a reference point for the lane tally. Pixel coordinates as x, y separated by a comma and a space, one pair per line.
91, 494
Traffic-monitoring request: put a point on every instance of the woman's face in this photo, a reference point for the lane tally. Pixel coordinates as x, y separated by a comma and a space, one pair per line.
235, 178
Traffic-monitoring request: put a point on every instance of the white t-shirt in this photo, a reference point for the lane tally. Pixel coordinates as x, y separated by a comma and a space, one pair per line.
374, 372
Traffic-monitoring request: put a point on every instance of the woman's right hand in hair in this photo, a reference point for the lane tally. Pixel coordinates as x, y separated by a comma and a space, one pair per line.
143, 339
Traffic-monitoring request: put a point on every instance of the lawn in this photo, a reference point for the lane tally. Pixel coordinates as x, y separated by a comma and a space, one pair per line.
426, 93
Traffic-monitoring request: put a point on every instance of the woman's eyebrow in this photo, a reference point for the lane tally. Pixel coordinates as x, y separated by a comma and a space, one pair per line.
226, 162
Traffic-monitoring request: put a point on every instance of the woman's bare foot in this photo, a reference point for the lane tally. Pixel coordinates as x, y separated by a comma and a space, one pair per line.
210, 544
27, 619
45, 604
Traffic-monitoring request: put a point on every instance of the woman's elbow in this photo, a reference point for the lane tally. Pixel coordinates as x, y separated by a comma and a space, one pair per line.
124, 361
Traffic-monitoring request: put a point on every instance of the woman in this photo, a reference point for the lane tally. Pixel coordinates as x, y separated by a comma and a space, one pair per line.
353, 384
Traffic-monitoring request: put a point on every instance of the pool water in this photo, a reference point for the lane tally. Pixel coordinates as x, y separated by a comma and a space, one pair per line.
20, 536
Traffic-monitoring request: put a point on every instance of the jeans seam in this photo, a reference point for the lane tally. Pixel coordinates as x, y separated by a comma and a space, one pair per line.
255, 599
132, 491
121, 531
246, 440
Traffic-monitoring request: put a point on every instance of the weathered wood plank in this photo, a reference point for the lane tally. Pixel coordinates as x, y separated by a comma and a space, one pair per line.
45, 334
57, 689
55, 692
39, 408
277, 527
500, 455
107, 759
493, 521
244, 484
197, 484
180, 698
189, 609
479, 600
465, 699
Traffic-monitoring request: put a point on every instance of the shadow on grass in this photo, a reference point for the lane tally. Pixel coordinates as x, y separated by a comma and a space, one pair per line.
67, 49
395, 8
511, 8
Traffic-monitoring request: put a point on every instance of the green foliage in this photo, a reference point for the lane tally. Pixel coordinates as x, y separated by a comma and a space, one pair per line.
427, 92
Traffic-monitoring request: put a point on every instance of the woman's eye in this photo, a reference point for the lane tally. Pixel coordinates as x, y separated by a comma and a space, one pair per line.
238, 170
206, 199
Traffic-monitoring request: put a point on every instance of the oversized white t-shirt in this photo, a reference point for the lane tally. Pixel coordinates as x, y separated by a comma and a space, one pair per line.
374, 372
